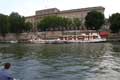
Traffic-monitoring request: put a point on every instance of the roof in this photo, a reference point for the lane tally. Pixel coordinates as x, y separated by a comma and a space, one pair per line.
83, 9
48, 9
57, 11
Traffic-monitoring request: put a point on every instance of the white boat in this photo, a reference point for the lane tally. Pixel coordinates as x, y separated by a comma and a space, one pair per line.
83, 37
86, 41
13, 41
53, 41
37, 41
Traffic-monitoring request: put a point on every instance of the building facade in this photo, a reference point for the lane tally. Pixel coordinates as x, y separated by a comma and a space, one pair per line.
73, 13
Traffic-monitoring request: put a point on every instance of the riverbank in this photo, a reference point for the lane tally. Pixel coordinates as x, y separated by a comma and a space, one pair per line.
49, 35
114, 38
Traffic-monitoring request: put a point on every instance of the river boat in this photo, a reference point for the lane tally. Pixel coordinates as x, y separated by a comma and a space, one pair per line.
53, 41
38, 40
13, 41
90, 37
83, 37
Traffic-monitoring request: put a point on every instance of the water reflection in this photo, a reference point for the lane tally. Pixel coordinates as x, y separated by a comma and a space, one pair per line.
108, 66
90, 61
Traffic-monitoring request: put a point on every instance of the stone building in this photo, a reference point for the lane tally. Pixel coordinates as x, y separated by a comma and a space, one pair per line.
73, 13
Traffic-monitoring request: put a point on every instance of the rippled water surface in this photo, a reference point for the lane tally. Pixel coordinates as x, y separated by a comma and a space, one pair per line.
85, 61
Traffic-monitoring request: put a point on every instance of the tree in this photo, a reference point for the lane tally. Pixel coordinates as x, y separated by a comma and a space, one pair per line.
66, 23
28, 26
53, 23
114, 21
16, 23
94, 20
3, 24
76, 23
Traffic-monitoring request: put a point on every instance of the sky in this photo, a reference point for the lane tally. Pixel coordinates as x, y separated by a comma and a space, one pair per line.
28, 7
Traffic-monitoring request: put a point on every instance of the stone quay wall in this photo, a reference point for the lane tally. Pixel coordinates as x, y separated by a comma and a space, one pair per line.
114, 37
31, 35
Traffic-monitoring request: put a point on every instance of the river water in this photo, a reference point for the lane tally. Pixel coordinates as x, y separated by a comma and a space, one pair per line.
85, 61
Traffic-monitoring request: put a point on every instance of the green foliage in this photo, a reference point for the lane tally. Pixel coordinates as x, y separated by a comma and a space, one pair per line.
3, 24
76, 23
114, 21
16, 23
27, 27
58, 23
94, 20
50, 22
66, 23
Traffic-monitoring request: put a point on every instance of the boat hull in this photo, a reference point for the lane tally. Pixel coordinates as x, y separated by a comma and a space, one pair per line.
67, 41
